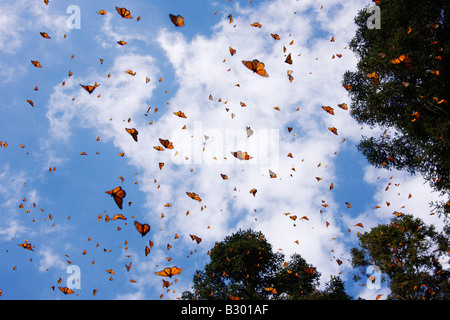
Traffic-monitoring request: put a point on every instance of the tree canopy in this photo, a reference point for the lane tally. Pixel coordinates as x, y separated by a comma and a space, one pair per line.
401, 85
243, 266
410, 254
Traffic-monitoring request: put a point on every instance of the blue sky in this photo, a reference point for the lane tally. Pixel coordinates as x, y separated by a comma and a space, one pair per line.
194, 63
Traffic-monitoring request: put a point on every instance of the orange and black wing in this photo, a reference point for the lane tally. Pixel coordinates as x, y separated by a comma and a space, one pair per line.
142, 228
118, 194
134, 133
178, 20
125, 13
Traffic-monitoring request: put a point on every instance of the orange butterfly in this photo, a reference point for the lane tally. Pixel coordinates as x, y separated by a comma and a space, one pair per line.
403, 59
374, 76
101, 12
275, 36
45, 35
343, 106
288, 59
169, 272
328, 109
121, 42
134, 133
310, 270
118, 194
178, 20
347, 87
26, 245
166, 143
256, 66
124, 13
333, 129
232, 51
89, 88
271, 289
241, 155
37, 64
142, 228
66, 290
194, 196
195, 238
180, 114
119, 216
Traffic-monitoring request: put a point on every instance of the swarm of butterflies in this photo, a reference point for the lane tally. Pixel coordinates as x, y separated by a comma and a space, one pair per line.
117, 193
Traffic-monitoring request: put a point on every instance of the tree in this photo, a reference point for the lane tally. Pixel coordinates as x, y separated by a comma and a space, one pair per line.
402, 85
243, 266
410, 254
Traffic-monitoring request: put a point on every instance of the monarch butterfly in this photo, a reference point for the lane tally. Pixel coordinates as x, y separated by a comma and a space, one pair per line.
180, 114
275, 36
256, 25
147, 250
166, 143
288, 59
124, 13
142, 228
134, 133
271, 289
347, 86
256, 66
195, 238
26, 245
119, 216
272, 174
241, 155
37, 64
403, 59
310, 270
194, 196
374, 76
343, 106
328, 109
232, 51
253, 191
169, 272
45, 35
118, 194
66, 290
333, 129
128, 267
101, 12
121, 42
178, 20
89, 88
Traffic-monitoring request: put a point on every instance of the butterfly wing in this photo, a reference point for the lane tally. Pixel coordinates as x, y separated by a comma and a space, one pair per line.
260, 69
178, 20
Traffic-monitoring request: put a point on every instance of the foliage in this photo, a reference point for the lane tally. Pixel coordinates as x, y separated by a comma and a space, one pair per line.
410, 99
243, 266
411, 255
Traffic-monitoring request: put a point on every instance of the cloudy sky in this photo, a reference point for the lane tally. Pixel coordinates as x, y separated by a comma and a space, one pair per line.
81, 137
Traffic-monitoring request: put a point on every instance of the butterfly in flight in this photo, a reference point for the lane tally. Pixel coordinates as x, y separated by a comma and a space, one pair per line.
178, 20
169, 272
256, 66
134, 133
194, 196
89, 88
124, 13
118, 194
142, 228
